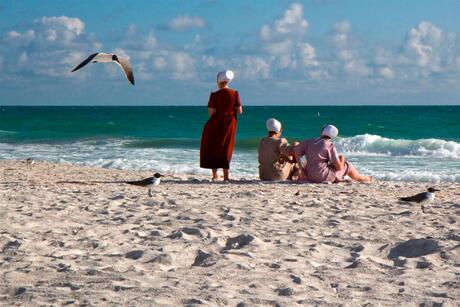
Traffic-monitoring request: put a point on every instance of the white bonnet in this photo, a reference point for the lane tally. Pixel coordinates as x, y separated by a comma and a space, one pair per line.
225, 76
330, 131
273, 125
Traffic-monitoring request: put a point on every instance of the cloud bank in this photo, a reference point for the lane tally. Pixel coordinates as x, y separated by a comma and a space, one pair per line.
283, 51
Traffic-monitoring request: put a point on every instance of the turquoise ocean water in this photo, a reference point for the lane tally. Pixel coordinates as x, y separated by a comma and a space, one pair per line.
404, 143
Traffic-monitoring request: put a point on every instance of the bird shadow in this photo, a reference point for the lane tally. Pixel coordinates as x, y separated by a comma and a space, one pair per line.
190, 181
87, 182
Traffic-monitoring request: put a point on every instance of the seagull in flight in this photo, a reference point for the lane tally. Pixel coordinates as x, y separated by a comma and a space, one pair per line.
421, 197
148, 183
101, 57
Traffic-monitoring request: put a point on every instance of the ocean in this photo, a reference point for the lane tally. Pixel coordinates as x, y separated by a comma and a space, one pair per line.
401, 143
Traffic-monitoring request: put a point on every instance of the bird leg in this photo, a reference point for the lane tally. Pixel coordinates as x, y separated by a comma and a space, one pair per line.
150, 193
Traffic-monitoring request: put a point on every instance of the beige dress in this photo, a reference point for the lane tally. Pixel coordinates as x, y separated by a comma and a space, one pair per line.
273, 164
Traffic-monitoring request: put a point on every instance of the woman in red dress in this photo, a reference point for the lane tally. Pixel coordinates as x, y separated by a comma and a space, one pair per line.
219, 131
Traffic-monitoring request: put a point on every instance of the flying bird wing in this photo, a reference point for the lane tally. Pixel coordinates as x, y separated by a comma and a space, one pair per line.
124, 64
142, 182
417, 198
89, 59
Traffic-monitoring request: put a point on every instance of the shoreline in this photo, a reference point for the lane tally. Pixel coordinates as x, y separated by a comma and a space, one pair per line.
77, 235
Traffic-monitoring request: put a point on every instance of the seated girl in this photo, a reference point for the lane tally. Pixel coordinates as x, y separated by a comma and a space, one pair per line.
275, 155
323, 162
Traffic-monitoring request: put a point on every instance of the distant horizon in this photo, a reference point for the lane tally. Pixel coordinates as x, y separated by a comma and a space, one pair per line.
264, 106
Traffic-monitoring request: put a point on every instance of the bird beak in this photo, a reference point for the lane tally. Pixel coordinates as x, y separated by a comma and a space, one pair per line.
437, 190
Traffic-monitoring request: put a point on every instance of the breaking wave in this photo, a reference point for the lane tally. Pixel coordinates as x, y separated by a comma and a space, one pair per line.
375, 144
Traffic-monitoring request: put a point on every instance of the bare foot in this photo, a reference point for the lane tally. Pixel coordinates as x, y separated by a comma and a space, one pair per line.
215, 178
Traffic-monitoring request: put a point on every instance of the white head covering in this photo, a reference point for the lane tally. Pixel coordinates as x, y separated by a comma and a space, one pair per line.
330, 131
273, 125
225, 76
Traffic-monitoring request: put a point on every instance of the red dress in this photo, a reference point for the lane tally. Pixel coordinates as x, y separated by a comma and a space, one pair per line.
219, 131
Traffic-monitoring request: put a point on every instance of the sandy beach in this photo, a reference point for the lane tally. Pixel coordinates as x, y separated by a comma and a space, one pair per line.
78, 235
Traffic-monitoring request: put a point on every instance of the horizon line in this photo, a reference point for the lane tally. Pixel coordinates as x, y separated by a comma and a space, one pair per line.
200, 105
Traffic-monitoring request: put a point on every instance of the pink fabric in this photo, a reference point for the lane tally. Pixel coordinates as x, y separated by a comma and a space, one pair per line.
321, 155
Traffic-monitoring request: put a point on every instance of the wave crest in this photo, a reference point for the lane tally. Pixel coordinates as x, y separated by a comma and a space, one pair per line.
375, 144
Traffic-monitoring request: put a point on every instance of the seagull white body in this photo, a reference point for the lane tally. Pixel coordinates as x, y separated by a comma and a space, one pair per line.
102, 57
429, 197
148, 183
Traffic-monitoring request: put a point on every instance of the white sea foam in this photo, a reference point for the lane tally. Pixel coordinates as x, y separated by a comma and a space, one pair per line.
377, 145
383, 158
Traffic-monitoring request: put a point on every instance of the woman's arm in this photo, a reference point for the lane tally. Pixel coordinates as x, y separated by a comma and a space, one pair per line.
340, 163
239, 110
211, 111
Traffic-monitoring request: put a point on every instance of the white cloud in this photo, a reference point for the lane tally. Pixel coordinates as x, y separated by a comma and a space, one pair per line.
386, 72
256, 68
291, 23
342, 26
61, 28
348, 57
357, 67
22, 59
422, 43
279, 48
185, 23
51, 46
159, 63
318, 74
308, 54
150, 41
20, 39
183, 66
74, 25
138, 41
283, 41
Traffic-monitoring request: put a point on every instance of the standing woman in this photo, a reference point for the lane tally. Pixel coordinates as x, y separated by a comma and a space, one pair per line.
219, 131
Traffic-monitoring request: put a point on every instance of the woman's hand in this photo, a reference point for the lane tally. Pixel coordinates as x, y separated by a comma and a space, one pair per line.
299, 164
239, 110
211, 111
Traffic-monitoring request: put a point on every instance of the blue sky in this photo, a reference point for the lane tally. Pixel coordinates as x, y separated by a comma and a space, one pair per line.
282, 52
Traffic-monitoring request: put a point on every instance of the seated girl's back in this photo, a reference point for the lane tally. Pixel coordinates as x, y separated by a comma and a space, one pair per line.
321, 154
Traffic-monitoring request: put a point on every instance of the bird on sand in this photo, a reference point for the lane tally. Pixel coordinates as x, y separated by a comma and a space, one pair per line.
421, 197
148, 183
29, 162
101, 57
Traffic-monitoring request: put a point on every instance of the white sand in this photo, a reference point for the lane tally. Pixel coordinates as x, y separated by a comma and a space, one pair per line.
65, 242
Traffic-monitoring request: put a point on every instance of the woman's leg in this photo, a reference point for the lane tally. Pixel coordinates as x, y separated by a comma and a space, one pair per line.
226, 178
355, 175
214, 174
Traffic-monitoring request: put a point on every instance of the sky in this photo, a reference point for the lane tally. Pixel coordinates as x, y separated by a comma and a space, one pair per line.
311, 52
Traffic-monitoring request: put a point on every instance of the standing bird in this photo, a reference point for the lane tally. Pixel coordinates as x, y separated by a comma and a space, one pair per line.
148, 183
108, 58
29, 162
421, 197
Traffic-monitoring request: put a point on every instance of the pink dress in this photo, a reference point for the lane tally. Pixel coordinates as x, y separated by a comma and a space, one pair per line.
321, 155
